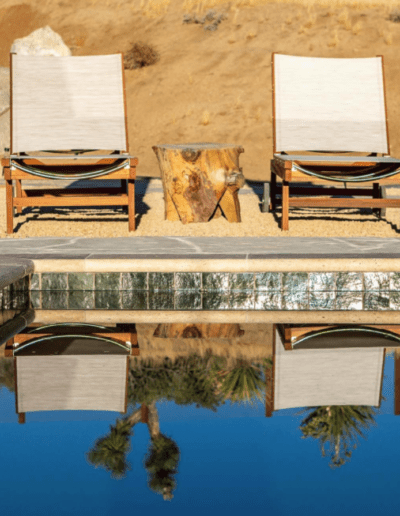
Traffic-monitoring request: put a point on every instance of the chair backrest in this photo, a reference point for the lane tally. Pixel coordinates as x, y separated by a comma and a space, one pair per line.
319, 377
329, 104
63, 103
68, 382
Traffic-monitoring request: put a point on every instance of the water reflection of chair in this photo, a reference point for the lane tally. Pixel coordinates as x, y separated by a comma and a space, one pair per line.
325, 374
71, 367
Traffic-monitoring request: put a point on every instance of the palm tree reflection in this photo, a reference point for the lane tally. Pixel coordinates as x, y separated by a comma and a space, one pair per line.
338, 429
205, 381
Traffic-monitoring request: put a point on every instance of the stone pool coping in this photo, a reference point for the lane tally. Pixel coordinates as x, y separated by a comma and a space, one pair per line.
19, 257
218, 316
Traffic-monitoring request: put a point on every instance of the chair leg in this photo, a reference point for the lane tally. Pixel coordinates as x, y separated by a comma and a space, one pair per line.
124, 190
397, 383
376, 195
10, 206
131, 204
18, 186
382, 195
285, 206
272, 191
266, 201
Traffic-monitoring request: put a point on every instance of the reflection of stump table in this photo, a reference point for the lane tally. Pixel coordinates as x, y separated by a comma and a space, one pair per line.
198, 331
200, 180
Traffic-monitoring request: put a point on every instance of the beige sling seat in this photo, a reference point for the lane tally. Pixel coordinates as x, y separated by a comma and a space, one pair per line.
72, 367
324, 373
68, 121
329, 127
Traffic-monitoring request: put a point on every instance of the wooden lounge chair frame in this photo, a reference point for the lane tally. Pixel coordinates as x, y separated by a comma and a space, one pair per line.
118, 165
288, 333
121, 337
291, 169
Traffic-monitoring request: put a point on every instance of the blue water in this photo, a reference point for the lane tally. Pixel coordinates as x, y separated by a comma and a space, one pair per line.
234, 460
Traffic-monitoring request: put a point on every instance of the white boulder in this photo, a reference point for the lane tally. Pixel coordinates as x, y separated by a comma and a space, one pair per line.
41, 42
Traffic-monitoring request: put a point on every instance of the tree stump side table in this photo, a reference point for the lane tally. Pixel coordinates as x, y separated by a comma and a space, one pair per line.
200, 181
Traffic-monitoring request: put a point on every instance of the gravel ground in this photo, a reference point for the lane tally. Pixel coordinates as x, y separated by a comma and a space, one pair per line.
112, 222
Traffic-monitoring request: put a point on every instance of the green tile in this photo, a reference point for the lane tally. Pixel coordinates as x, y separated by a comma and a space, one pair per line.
7, 298
107, 299
54, 281
216, 281
349, 300
376, 300
376, 281
21, 284
161, 281
81, 281
241, 300
20, 300
321, 281
394, 280
349, 281
268, 281
213, 300
187, 280
295, 282
107, 281
134, 280
187, 300
36, 299
35, 281
268, 300
241, 281
134, 300
161, 300
394, 301
297, 300
322, 300
54, 300
81, 299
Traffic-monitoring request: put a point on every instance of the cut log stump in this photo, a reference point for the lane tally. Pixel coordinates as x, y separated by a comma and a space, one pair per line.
200, 181
198, 331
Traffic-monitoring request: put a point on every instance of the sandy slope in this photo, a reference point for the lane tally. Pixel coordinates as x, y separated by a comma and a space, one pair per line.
225, 74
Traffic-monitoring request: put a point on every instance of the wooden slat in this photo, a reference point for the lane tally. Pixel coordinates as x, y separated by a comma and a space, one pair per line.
385, 102
296, 332
344, 203
20, 174
121, 338
270, 378
120, 200
397, 383
320, 190
336, 164
72, 192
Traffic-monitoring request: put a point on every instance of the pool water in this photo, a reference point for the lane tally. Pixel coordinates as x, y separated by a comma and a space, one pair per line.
273, 418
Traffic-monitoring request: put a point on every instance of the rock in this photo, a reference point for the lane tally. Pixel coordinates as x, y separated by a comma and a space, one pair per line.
4, 90
41, 42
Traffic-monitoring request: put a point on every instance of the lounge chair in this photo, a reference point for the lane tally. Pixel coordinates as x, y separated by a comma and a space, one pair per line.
68, 121
68, 367
330, 126
322, 373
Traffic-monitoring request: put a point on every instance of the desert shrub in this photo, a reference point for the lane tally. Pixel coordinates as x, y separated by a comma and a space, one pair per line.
394, 16
140, 55
210, 20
